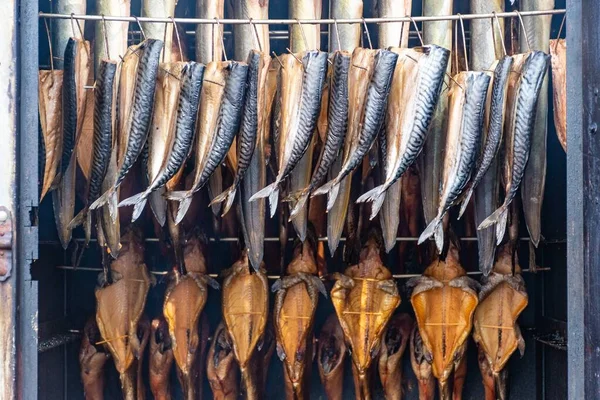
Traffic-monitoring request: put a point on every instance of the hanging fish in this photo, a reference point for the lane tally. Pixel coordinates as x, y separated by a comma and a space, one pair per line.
135, 103
395, 339
301, 86
420, 361
523, 95
228, 80
92, 359
64, 29
558, 51
222, 370
467, 95
160, 9
331, 354
104, 123
50, 106
415, 91
160, 360
111, 35
178, 121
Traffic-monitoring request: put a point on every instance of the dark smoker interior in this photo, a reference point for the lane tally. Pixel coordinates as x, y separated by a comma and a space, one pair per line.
66, 292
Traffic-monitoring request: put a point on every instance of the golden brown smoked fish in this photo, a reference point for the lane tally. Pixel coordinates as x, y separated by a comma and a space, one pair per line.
245, 309
296, 299
137, 105
185, 299
502, 299
534, 179
119, 308
394, 342
222, 370
50, 105
104, 118
160, 360
444, 300
558, 51
420, 361
519, 130
92, 358
466, 106
77, 68
364, 298
331, 354
223, 111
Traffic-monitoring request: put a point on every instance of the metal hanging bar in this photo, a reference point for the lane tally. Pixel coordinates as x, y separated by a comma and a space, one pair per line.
305, 21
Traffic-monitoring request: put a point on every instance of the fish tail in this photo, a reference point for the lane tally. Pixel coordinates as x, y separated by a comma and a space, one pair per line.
494, 218
79, 219
267, 191
300, 198
104, 199
185, 200
439, 238
465, 202
332, 196
273, 198
229, 202
138, 202
325, 189
227, 196
158, 204
501, 228
430, 230
375, 195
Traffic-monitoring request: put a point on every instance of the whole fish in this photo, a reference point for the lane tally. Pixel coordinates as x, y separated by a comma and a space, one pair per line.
534, 180
64, 29
466, 106
364, 298
521, 118
92, 359
164, 32
111, 36
50, 105
222, 370
394, 342
420, 362
420, 74
109, 231
258, 66
394, 34
431, 162
301, 86
215, 148
182, 85
558, 51
245, 308
135, 112
331, 354
104, 120
365, 126
493, 122
337, 124
77, 67
160, 360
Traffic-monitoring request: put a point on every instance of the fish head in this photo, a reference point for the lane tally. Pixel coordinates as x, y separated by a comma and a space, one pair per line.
193, 255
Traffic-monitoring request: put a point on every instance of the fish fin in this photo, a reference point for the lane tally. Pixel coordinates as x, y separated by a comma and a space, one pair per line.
494, 218
325, 189
300, 198
138, 202
229, 202
227, 196
272, 192
104, 199
332, 197
158, 204
465, 203
376, 205
79, 218
184, 198
430, 230
439, 238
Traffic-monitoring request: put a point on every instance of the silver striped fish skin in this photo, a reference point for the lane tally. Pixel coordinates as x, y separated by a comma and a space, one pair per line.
187, 112
464, 152
313, 80
431, 78
337, 117
140, 114
518, 139
248, 131
230, 115
493, 132
375, 104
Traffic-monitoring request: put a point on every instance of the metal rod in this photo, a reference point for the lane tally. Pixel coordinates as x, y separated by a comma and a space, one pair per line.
272, 277
305, 21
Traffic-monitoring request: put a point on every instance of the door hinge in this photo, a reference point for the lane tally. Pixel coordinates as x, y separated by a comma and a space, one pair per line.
6, 238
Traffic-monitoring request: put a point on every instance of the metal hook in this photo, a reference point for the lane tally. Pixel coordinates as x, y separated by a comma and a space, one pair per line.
416, 29
368, 34
105, 37
222, 39
164, 52
302, 32
49, 44
140, 26
277, 58
462, 28
562, 24
524, 30
337, 33
499, 31
253, 25
178, 39
401, 34
293, 55
73, 21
